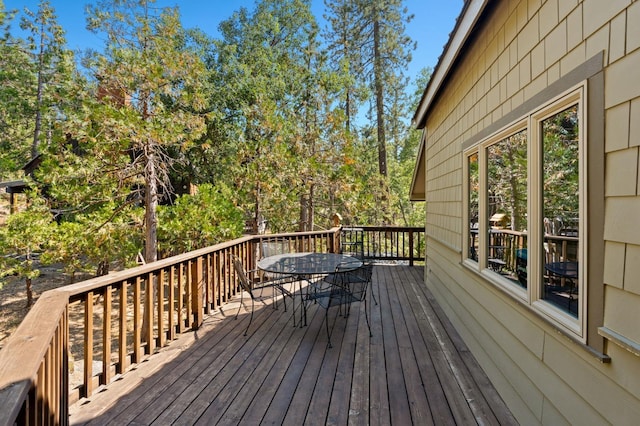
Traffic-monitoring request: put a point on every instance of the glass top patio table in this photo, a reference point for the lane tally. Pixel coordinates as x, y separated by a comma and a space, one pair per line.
563, 269
308, 263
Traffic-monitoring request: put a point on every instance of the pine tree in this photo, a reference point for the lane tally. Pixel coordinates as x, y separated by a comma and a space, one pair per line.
151, 86
370, 37
269, 62
52, 66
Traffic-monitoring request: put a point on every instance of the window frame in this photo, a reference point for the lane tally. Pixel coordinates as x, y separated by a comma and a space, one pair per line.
532, 295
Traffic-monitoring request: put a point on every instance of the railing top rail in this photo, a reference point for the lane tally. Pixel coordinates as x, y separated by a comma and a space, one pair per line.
119, 276
383, 228
521, 233
297, 234
27, 348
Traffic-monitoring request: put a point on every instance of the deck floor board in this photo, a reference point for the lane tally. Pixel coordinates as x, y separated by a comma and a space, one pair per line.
413, 369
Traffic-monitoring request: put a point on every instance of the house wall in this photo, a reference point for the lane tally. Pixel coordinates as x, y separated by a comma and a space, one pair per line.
523, 49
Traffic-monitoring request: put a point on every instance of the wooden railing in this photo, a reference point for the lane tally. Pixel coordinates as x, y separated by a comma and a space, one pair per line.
505, 244
81, 336
385, 243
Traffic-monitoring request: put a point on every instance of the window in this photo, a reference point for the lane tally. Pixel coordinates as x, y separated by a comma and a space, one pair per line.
472, 202
524, 200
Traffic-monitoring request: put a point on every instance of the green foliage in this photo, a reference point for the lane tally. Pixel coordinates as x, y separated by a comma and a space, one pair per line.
262, 121
24, 236
152, 83
507, 179
195, 221
17, 82
96, 241
561, 166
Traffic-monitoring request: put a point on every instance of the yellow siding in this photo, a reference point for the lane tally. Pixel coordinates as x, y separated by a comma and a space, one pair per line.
614, 263
618, 304
526, 47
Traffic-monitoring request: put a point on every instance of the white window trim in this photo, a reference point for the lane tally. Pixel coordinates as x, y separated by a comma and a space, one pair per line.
531, 296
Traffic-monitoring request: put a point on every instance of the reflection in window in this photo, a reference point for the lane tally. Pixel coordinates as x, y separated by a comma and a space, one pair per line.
473, 206
524, 188
507, 207
560, 202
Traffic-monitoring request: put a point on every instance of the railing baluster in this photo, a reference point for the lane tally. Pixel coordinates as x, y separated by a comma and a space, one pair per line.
122, 338
106, 337
41, 391
160, 298
137, 321
208, 284
171, 311
48, 384
180, 297
148, 312
196, 293
88, 344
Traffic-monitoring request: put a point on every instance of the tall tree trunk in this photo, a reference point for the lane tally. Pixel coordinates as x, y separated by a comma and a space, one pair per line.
29, 292
38, 124
347, 110
515, 196
304, 213
257, 218
312, 210
28, 280
151, 230
307, 211
378, 81
151, 210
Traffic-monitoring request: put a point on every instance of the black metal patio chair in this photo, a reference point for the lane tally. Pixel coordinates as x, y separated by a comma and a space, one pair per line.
249, 285
342, 288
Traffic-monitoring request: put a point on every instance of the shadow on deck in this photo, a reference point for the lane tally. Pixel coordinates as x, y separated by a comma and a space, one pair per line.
414, 370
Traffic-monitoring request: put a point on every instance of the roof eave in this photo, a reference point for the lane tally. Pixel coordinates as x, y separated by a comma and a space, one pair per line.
465, 24
417, 191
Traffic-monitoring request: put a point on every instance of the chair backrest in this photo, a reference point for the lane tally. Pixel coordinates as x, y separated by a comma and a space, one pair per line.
242, 274
352, 242
271, 248
358, 280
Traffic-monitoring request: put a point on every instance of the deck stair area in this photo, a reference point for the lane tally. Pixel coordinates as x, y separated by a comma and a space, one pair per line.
415, 369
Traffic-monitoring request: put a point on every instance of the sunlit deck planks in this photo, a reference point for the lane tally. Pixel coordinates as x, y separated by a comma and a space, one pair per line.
414, 370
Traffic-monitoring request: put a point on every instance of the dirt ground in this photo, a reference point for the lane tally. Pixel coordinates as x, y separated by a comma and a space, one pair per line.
13, 294
13, 297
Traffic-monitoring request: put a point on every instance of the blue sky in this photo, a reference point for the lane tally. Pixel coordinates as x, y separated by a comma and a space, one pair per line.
434, 20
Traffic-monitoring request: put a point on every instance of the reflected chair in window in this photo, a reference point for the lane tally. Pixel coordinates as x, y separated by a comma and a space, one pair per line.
521, 266
250, 285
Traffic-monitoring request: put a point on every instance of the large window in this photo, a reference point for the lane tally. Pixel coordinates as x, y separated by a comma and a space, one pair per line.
524, 191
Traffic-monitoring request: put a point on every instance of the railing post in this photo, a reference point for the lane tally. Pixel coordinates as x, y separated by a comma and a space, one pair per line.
411, 247
335, 240
197, 282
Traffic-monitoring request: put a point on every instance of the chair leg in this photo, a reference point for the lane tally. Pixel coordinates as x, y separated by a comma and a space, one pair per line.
373, 294
240, 307
326, 322
250, 318
366, 316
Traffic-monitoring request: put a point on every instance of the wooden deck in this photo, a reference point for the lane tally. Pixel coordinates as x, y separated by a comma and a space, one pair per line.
414, 370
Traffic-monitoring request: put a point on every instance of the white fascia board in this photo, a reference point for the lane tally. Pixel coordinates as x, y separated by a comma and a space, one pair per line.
470, 16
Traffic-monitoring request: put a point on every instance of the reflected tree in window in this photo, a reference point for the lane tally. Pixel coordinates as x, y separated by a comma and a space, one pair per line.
561, 203
560, 169
474, 185
507, 180
507, 207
